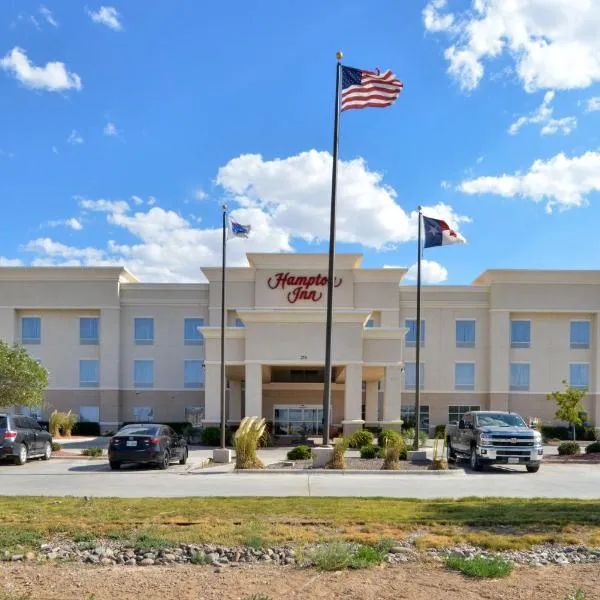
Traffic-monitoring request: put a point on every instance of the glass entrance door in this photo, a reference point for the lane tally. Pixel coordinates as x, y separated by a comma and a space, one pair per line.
296, 420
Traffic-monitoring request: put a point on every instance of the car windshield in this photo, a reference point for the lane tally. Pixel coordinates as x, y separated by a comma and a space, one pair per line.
140, 430
499, 420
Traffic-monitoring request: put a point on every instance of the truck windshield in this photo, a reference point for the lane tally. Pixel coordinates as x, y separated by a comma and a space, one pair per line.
499, 420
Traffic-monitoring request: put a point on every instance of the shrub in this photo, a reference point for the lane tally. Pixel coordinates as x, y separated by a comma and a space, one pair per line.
439, 431
56, 447
578, 595
393, 452
246, 442
480, 566
211, 436
372, 451
199, 558
299, 453
257, 597
552, 432
55, 423
593, 448
86, 428
69, 421
146, 542
409, 436
92, 451
336, 556
360, 438
388, 435
569, 448
339, 448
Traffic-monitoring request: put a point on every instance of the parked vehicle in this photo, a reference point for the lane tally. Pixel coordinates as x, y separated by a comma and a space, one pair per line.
23, 438
147, 443
494, 437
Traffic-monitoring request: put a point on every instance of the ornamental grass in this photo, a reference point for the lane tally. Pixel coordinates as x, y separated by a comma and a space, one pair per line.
246, 442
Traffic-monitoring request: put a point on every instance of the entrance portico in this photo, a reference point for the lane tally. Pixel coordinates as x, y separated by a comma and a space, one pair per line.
275, 341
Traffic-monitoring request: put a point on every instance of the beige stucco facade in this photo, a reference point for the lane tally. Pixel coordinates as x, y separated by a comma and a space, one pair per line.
275, 341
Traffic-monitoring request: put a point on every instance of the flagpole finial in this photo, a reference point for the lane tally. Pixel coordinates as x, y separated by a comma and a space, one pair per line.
419, 208
339, 55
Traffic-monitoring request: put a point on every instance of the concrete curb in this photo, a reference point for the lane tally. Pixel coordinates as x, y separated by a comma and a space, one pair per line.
565, 461
447, 473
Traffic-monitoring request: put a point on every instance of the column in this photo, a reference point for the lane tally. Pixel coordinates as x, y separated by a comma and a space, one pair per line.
392, 397
352, 420
212, 393
110, 368
371, 402
253, 390
235, 400
499, 357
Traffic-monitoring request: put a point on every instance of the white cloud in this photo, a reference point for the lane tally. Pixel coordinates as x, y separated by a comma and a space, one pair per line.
54, 149
54, 77
479, 160
110, 130
431, 272
200, 194
137, 200
553, 43
50, 248
445, 185
593, 104
108, 206
543, 116
151, 201
10, 262
75, 138
107, 15
72, 223
560, 181
47, 14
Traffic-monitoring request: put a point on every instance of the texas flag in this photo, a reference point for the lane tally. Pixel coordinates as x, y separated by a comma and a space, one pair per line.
438, 233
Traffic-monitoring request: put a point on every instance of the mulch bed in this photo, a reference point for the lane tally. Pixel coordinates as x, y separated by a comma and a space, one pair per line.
593, 456
362, 464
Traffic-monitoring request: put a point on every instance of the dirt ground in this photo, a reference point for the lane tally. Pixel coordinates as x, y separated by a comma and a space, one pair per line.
186, 582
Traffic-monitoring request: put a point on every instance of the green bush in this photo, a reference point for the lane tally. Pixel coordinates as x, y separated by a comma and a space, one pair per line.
299, 453
211, 436
480, 566
439, 431
551, 432
199, 558
372, 451
578, 595
593, 448
360, 438
56, 447
388, 435
335, 556
409, 436
92, 451
87, 428
569, 448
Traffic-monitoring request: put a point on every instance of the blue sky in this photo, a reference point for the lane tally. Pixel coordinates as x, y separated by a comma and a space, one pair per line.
154, 113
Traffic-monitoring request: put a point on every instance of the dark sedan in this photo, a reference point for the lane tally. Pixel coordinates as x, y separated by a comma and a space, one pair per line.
147, 443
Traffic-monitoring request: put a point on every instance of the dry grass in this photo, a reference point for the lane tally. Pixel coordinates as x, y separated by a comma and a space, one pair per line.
246, 441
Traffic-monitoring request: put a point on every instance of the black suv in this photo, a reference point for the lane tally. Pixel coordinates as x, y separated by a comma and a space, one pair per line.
23, 438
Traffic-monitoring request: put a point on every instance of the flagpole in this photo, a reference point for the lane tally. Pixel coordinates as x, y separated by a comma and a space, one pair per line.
418, 338
224, 250
330, 272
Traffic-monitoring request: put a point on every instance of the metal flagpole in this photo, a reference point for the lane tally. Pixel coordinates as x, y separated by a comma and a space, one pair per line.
223, 327
418, 340
330, 273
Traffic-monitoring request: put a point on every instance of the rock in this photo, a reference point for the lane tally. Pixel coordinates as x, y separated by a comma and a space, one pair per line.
92, 558
52, 555
170, 556
16, 557
30, 556
107, 561
100, 551
212, 556
131, 562
146, 562
218, 569
46, 547
150, 555
289, 560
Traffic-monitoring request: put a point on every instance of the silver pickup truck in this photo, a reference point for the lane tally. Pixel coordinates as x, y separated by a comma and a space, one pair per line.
494, 437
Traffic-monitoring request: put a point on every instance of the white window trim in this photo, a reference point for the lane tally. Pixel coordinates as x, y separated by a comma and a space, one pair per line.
519, 362
96, 384
474, 341
465, 388
530, 333
95, 342
21, 317
199, 342
580, 362
144, 342
589, 322
144, 387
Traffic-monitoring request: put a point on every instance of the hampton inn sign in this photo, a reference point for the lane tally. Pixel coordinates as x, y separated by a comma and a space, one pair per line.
301, 285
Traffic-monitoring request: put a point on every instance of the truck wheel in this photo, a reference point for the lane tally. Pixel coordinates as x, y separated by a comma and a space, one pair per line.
474, 461
533, 468
450, 454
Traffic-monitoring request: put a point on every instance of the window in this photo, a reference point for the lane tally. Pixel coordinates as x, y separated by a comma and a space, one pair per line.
194, 414
35, 412
239, 323
465, 334
193, 374
89, 413
456, 412
88, 373
31, 330
143, 414
464, 376
580, 334
191, 335
88, 330
370, 323
143, 330
411, 335
579, 375
143, 373
520, 334
407, 414
410, 381
519, 376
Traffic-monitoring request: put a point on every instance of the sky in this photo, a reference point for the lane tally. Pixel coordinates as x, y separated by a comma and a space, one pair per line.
124, 127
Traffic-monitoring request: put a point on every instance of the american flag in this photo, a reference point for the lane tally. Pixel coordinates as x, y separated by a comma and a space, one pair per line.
361, 89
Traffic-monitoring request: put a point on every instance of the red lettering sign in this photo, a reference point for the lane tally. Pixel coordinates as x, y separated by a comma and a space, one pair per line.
301, 285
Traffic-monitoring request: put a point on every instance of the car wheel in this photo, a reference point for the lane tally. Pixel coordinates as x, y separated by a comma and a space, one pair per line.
47, 451
184, 457
474, 461
114, 465
450, 454
21, 457
533, 468
164, 463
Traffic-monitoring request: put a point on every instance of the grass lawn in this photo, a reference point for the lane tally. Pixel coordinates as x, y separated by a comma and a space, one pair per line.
495, 523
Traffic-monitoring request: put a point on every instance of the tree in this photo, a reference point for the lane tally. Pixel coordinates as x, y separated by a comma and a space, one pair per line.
23, 379
568, 405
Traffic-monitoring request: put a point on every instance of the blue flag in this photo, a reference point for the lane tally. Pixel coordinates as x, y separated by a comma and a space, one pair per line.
438, 233
238, 230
